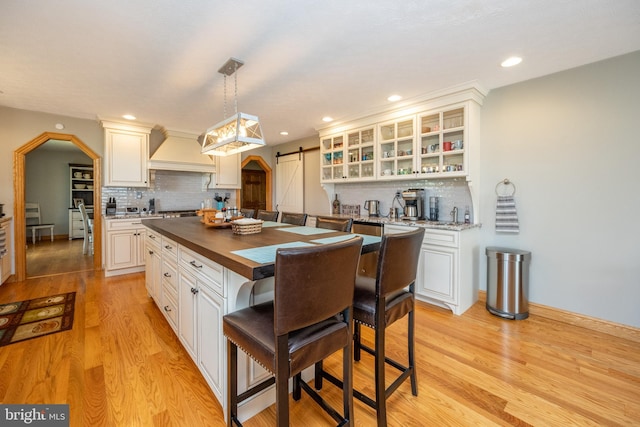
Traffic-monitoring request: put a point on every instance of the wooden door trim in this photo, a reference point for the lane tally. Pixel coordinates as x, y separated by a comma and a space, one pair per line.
267, 169
19, 179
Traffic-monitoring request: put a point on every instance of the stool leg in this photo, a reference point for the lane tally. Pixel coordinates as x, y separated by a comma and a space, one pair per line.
282, 381
381, 401
356, 341
297, 390
347, 384
411, 348
318, 375
232, 383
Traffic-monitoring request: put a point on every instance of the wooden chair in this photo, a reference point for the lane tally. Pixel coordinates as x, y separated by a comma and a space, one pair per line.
34, 221
267, 215
338, 224
379, 302
87, 225
293, 218
247, 213
308, 320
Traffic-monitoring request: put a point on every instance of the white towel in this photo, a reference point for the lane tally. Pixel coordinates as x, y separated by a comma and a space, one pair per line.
506, 215
3, 242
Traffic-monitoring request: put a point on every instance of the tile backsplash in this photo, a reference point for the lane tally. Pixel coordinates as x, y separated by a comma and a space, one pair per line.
172, 190
452, 192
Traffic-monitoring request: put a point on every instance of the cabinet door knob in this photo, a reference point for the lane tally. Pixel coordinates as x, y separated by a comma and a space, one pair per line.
167, 275
194, 291
151, 236
168, 247
150, 252
166, 308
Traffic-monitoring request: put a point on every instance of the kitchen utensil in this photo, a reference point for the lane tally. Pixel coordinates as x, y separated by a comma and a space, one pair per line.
373, 207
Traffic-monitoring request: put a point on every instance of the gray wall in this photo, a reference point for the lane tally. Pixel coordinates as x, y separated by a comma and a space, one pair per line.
569, 143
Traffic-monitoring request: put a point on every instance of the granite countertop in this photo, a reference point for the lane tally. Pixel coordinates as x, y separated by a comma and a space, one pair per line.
132, 215
442, 225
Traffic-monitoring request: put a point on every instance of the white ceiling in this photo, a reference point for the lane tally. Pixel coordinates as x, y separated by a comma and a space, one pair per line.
159, 59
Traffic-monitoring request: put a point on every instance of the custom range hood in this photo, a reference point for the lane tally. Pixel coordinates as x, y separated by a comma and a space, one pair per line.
181, 151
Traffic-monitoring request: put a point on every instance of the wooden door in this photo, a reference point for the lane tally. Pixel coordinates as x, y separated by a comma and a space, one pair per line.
254, 189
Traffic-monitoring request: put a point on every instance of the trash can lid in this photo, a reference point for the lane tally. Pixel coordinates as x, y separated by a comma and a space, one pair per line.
508, 254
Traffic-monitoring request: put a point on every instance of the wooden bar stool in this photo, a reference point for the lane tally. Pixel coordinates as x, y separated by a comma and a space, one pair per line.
309, 319
377, 303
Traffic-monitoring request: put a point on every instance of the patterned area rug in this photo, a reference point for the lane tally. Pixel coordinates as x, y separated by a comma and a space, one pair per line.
34, 318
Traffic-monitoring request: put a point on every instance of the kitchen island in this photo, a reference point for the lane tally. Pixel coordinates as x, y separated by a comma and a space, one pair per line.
196, 274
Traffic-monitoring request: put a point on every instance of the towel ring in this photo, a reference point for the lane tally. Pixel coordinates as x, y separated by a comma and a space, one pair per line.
506, 183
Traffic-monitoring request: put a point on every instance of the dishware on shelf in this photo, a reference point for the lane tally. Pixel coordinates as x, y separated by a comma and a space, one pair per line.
79, 186
446, 146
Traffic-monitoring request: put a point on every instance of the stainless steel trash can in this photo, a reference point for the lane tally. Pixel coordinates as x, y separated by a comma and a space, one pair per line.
508, 282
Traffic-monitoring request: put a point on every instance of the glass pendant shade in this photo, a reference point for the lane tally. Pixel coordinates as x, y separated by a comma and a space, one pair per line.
235, 134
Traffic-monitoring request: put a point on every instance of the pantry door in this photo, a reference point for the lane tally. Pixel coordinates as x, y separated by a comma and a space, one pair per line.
290, 183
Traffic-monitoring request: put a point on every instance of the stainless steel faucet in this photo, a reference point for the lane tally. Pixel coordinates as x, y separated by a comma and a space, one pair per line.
454, 215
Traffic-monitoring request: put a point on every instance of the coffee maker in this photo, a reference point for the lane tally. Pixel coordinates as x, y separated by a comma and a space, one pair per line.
413, 204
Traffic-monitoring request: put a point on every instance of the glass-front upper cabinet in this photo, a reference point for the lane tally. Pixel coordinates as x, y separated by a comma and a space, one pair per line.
332, 156
360, 154
396, 141
442, 143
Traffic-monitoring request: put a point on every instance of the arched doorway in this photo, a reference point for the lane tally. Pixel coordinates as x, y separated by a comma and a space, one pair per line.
19, 192
268, 178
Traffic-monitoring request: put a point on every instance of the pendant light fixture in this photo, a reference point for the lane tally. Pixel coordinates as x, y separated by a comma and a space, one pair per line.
240, 132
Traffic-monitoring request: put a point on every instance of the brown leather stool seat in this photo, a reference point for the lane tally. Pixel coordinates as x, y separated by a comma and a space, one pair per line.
338, 224
379, 302
301, 327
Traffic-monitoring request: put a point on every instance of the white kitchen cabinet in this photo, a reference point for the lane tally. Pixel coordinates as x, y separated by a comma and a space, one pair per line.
6, 261
348, 156
396, 148
124, 246
201, 307
448, 259
228, 172
153, 264
126, 155
409, 143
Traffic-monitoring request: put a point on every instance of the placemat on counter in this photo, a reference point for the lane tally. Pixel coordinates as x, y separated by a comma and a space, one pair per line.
366, 239
306, 231
267, 254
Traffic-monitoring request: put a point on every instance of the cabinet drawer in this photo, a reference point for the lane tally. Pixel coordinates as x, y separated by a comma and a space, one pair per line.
170, 277
169, 248
123, 224
441, 238
169, 307
209, 271
153, 238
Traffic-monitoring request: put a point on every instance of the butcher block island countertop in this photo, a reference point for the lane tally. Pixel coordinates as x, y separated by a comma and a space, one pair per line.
218, 244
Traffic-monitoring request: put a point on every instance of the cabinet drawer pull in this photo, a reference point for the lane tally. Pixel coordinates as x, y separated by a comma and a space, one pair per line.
193, 263
168, 247
151, 236
167, 275
166, 308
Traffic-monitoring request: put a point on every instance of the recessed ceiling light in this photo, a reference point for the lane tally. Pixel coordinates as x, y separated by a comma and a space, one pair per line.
510, 62
59, 126
129, 117
394, 98
327, 119
284, 133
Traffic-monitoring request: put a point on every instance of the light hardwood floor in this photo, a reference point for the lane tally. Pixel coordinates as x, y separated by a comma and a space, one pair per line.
122, 365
